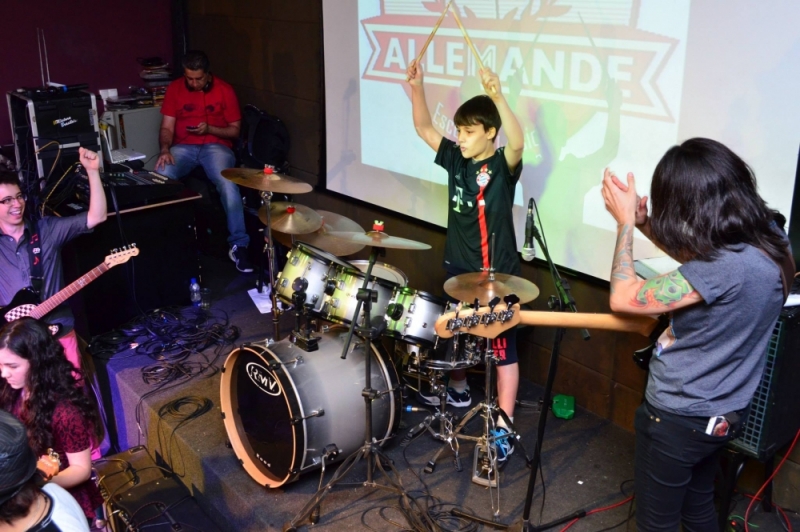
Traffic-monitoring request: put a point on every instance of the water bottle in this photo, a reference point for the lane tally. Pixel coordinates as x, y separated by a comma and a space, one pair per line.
194, 292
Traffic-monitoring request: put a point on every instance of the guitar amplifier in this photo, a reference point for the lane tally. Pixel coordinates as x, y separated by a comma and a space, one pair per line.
775, 408
139, 496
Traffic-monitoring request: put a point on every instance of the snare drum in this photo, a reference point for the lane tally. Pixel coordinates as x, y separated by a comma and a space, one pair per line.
340, 306
459, 352
282, 406
316, 267
411, 315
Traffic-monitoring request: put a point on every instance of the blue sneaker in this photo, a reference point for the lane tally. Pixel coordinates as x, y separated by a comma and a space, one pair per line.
502, 444
454, 398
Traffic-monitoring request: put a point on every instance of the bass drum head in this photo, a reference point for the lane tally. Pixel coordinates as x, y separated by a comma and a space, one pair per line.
257, 416
271, 400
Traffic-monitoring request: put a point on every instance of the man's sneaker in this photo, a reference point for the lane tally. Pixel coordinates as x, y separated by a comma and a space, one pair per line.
239, 257
502, 444
454, 398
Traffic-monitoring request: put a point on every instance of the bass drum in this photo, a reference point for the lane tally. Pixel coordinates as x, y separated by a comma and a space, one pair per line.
282, 406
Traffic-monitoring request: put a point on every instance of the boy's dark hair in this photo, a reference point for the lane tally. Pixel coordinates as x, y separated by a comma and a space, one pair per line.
479, 110
9, 178
196, 60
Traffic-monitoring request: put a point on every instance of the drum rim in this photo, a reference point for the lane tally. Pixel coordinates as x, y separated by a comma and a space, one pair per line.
386, 265
328, 257
232, 420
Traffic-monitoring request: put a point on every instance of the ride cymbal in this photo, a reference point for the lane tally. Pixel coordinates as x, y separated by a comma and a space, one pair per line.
291, 218
267, 181
468, 286
330, 222
379, 239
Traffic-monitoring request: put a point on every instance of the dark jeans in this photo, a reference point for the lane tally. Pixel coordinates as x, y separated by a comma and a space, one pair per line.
674, 470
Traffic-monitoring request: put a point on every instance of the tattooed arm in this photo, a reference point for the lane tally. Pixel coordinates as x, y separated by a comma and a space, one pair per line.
629, 294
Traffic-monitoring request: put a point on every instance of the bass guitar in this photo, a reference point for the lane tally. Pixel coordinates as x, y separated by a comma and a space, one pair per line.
26, 303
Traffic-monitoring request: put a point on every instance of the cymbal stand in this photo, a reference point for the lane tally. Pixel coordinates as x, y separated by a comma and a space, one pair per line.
269, 252
371, 448
485, 467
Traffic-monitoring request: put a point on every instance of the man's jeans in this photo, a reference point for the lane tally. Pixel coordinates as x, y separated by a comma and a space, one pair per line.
214, 158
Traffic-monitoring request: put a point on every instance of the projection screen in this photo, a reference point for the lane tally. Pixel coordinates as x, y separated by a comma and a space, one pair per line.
594, 83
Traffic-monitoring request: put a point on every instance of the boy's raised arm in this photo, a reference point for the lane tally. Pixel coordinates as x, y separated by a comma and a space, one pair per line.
419, 107
516, 140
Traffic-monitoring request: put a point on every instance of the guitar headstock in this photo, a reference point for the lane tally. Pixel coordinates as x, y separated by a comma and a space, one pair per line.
121, 256
486, 322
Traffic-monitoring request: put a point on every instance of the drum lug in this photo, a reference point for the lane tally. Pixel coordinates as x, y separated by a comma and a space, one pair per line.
314, 413
294, 260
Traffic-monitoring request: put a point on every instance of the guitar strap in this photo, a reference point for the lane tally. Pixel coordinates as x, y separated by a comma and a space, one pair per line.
35, 254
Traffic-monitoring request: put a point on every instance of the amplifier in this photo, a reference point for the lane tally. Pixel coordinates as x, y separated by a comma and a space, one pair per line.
138, 496
775, 408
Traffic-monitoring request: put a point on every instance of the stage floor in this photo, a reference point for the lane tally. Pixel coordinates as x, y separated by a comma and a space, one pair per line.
587, 462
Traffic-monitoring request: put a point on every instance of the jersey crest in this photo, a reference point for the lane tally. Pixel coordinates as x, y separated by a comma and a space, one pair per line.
484, 176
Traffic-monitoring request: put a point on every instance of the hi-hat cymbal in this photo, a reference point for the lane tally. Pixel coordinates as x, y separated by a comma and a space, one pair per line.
330, 222
379, 239
291, 218
468, 286
269, 182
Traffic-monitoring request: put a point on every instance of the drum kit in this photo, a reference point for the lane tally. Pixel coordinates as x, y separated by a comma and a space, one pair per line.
288, 406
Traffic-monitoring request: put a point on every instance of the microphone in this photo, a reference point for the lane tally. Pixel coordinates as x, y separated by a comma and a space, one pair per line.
528, 249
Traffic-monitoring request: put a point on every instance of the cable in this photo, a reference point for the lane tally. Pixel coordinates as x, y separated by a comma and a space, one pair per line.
766, 482
177, 410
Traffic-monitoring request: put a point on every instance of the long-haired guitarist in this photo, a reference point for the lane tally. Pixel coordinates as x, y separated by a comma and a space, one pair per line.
28, 246
723, 302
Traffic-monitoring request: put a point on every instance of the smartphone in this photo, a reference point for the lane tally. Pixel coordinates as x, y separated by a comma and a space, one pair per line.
718, 426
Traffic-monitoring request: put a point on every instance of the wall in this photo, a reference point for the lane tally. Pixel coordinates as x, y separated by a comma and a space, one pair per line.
90, 41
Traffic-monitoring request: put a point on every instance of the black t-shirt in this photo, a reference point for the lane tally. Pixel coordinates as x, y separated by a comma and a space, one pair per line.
481, 199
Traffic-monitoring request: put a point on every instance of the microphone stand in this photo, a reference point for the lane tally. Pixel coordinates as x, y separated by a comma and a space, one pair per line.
558, 303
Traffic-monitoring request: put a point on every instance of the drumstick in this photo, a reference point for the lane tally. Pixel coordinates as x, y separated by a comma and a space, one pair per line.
469, 41
430, 37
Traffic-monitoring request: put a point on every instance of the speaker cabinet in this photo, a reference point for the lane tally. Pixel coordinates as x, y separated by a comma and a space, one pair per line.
775, 409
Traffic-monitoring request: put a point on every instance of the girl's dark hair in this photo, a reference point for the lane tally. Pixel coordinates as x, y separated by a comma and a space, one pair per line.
704, 199
9, 178
51, 379
20, 504
479, 110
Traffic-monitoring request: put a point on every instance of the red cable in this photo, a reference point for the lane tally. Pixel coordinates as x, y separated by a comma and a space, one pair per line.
597, 510
766, 483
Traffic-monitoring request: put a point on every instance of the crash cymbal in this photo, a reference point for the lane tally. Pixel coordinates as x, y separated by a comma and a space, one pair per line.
266, 181
468, 286
378, 239
291, 218
320, 239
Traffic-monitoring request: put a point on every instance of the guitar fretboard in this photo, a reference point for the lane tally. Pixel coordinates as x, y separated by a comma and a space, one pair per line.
68, 291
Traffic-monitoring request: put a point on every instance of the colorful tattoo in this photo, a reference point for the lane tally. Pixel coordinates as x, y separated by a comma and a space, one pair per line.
665, 290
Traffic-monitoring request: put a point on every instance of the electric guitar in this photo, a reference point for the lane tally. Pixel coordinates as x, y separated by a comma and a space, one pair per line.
491, 321
26, 303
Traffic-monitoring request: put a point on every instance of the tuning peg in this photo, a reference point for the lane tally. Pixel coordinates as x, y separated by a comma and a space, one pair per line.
511, 300
493, 303
477, 304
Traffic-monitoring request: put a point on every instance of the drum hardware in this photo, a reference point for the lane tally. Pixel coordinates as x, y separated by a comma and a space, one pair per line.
314, 413
303, 334
369, 332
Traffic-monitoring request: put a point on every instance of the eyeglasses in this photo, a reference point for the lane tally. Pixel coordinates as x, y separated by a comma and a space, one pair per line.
19, 197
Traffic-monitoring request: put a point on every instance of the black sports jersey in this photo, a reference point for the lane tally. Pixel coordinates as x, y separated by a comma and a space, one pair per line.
481, 199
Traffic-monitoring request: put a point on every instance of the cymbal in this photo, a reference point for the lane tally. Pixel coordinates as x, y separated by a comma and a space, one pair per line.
468, 286
378, 239
270, 182
291, 218
320, 239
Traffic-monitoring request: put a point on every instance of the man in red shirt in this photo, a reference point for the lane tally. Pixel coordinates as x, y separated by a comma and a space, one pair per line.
201, 118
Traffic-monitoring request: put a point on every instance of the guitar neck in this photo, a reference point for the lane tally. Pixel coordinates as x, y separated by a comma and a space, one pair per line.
643, 325
68, 291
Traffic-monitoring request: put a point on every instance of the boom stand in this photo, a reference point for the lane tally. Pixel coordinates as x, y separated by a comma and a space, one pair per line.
269, 251
559, 303
371, 448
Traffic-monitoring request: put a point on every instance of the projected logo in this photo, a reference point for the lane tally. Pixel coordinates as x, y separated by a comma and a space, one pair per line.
550, 50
